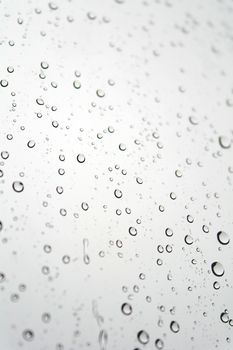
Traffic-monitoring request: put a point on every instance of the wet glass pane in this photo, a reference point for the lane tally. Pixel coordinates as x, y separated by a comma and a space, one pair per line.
116, 170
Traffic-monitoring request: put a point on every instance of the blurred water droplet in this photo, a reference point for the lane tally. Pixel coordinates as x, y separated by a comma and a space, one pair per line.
28, 335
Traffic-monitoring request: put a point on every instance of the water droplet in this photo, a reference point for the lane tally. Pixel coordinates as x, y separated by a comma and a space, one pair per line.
224, 142
53, 5
31, 143
4, 83
10, 69
76, 84
217, 269
224, 317
126, 309
205, 228
44, 65
122, 147
188, 239
159, 344
118, 193
86, 257
40, 101
18, 186
2, 277
139, 180
223, 237
143, 337
28, 335
46, 317
81, 158
4, 155
174, 326
59, 189
103, 339
193, 120
133, 231
178, 173
84, 206
100, 93
91, 15
169, 232
66, 259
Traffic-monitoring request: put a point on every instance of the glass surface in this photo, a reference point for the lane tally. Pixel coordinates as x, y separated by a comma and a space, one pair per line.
116, 170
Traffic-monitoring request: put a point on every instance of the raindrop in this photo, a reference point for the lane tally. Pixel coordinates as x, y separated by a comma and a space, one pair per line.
2, 277
118, 193
126, 309
66, 259
40, 101
44, 65
169, 232
10, 69
224, 317
28, 335
46, 317
100, 93
103, 339
84, 206
188, 239
159, 344
81, 158
143, 337
122, 147
224, 142
223, 237
18, 186
31, 144
76, 84
139, 180
133, 231
4, 83
174, 326
217, 269
4, 155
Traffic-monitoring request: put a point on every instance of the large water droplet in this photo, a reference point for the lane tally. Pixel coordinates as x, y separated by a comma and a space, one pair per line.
81, 158
174, 326
126, 309
223, 237
18, 186
143, 337
217, 269
224, 142
133, 231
